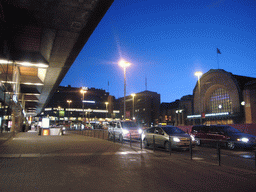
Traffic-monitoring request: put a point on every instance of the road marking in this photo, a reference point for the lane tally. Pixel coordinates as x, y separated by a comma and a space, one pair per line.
70, 154
10, 155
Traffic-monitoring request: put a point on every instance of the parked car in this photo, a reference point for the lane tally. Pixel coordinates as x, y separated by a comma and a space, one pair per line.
225, 135
162, 135
124, 130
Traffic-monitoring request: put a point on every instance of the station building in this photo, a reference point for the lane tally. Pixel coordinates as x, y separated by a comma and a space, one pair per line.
221, 97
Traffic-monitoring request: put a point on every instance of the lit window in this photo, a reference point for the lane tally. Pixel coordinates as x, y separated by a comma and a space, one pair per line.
220, 101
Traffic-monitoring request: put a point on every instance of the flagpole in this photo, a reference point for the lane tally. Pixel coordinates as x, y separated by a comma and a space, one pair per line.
218, 60
218, 52
146, 83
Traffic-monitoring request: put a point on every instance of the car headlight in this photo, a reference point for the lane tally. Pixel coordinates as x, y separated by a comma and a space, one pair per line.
176, 139
139, 131
244, 139
125, 131
192, 137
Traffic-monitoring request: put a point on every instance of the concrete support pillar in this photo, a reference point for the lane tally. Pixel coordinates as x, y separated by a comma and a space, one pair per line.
20, 123
13, 123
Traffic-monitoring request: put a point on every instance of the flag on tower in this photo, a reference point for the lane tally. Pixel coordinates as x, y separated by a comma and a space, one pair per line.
218, 51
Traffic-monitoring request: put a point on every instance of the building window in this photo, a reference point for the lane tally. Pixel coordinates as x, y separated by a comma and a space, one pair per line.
220, 101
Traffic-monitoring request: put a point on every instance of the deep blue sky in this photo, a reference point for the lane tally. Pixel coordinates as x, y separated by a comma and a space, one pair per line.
166, 41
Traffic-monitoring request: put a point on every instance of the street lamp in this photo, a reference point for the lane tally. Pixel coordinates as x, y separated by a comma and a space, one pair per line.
106, 109
83, 91
124, 64
199, 74
69, 101
133, 95
59, 108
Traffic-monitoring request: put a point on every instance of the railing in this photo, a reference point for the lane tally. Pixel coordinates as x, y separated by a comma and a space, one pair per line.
104, 134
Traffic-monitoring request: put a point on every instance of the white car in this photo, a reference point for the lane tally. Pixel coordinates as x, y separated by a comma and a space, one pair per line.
124, 130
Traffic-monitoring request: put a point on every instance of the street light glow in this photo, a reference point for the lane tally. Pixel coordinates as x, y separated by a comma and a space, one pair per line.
83, 91
124, 64
198, 74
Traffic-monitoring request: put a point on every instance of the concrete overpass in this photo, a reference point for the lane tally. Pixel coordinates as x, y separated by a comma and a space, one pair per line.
39, 41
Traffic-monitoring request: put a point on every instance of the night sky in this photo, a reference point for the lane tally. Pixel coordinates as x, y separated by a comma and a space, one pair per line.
166, 42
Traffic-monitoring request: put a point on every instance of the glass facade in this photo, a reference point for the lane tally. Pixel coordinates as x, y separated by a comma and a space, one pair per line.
220, 101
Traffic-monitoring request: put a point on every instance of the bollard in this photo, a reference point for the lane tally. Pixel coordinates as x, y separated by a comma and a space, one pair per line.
114, 137
218, 151
190, 148
170, 145
130, 140
140, 141
154, 143
255, 157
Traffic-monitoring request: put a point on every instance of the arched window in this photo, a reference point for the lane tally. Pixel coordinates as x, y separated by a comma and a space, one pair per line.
220, 101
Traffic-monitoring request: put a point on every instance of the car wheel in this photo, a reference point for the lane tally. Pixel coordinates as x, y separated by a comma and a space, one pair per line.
145, 142
231, 145
198, 142
121, 138
167, 146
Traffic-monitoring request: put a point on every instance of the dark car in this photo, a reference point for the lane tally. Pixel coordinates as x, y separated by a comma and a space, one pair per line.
225, 135
162, 136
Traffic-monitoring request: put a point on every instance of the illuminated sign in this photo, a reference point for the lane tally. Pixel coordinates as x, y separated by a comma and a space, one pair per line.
62, 113
208, 115
45, 123
86, 101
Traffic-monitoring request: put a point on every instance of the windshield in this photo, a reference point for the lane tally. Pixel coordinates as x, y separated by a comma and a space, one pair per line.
128, 124
172, 130
228, 129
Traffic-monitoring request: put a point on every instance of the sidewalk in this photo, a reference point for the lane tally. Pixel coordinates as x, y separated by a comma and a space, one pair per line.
4, 136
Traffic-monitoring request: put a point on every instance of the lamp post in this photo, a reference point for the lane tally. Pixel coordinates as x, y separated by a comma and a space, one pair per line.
83, 91
199, 74
59, 108
124, 64
106, 109
133, 95
69, 101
